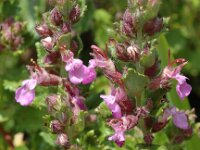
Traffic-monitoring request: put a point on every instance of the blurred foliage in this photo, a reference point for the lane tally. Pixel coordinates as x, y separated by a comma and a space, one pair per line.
183, 39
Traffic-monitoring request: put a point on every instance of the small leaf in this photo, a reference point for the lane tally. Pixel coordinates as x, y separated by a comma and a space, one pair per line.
135, 82
65, 40
103, 110
41, 52
147, 60
11, 85
49, 138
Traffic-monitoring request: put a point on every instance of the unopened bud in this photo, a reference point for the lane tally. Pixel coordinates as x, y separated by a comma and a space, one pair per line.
17, 26
153, 26
52, 102
158, 126
17, 41
43, 30
47, 43
75, 14
133, 52
188, 132
56, 126
66, 28
178, 139
128, 26
56, 17
148, 138
63, 140
125, 53
52, 58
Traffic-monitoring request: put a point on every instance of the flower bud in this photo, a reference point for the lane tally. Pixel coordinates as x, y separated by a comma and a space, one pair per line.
188, 132
17, 26
178, 139
63, 140
52, 58
125, 53
56, 126
148, 138
153, 26
43, 30
66, 28
158, 126
47, 43
56, 17
52, 102
128, 26
17, 41
133, 52
75, 14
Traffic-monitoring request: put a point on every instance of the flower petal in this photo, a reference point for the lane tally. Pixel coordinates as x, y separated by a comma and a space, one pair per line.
180, 120
24, 96
183, 90
118, 137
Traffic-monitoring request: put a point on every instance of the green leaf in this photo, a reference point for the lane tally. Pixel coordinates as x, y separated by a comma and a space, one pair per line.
49, 138
147, 60
65, 39
135, 82
160, 138
79, 124
11, 85
28, 119
41, 52
23, 147
103, 110
83, 6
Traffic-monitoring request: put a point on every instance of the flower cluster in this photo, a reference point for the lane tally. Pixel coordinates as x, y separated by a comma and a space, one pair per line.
134, 85
59, 41
131, 64
11, 34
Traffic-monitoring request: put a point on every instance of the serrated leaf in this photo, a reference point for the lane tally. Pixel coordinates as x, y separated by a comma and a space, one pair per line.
103, 110
11, 85
41, 52
83, 6
135, 82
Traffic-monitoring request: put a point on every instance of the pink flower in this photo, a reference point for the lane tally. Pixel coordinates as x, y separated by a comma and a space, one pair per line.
25, 94
111, 101
79, 73
179, 118
183, 88
120, 126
